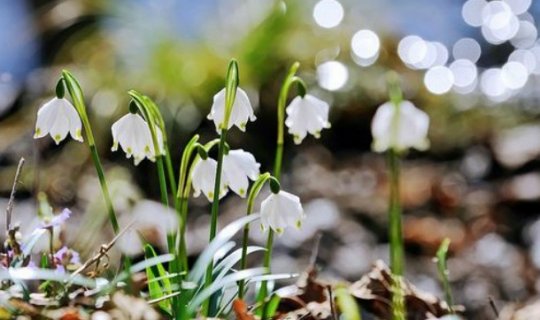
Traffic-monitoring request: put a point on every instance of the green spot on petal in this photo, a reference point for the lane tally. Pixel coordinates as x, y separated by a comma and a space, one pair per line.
242, 191
279, 230
57, 138
298, 224
129, 150
210, 194
38, 131
78, 134
146, 149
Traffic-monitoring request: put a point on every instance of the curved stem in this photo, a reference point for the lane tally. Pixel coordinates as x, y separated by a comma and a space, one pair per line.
253, 193
146, 107
282, 100
290, 79
181, 201
76, 94
185, 189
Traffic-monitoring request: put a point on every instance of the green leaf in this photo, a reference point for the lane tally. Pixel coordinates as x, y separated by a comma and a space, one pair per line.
159, 288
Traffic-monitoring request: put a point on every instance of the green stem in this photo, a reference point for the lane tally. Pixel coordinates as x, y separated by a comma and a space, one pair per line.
290, 79
217, 185
162, 181
52, 263
396, 237
231, 86
255, 189
184, 189
104, 189
76, 94
172, 179
398, 298
215, 211
442, 267
263, 293
278, 160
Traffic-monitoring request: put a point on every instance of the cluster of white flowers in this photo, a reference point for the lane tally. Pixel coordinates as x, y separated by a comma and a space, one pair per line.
58, 117
398, 127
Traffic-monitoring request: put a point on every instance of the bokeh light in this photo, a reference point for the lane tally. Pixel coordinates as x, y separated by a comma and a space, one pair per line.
332, 75
467, 48
472, 12
365, 44
328, 13
439, 80
514, 75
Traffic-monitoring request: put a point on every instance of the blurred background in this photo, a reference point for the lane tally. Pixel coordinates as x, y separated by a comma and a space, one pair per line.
473, 66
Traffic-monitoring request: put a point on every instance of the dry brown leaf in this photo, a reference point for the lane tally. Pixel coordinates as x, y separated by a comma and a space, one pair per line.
373, 292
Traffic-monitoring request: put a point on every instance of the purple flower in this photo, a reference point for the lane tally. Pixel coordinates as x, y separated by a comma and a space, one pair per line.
66, 257
56, 220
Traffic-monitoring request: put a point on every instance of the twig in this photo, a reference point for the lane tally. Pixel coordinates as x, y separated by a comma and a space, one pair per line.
11, 201
332, 305
103, 250
493, 307
315, 251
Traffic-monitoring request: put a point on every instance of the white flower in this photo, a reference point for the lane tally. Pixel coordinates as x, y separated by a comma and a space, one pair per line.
238, 166
281, 210
204, 178
307, 114
133, 135
241, 112
58, 117
406, 129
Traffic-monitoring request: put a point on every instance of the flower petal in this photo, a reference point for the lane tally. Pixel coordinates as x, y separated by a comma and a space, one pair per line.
238, 166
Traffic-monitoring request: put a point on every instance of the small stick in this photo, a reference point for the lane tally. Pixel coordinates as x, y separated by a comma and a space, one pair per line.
103, 250
332, 305
493, 307
315, 251
11, 201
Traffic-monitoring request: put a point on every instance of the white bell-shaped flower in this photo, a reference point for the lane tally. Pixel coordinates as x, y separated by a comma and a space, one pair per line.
132, 133
204, 179
238, 167
305, 115
58, 117
401, 130
241, 112
281, 210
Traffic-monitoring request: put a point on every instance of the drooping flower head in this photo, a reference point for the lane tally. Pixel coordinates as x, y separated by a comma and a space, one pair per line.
399, 127
56, 220
281, 210
204, 178
238, 167
241, 112
307, 114
132, 133
58, 117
